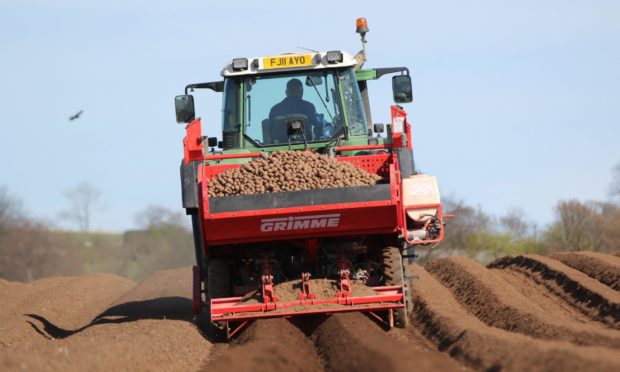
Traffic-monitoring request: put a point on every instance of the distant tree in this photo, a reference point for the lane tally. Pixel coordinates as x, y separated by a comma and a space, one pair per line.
610, 225
615, 183
163, 242
157, 217
576, 227
515, 223
10, 209
476, 234
467, 221
28, 249
593, 226
82, 200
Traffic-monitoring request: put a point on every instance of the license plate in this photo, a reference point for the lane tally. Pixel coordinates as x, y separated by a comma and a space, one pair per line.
286, 61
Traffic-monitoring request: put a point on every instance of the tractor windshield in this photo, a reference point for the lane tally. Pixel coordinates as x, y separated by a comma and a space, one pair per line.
272, 102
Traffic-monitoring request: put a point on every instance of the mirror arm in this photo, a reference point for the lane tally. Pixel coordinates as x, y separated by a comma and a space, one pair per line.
390, 70
216, 86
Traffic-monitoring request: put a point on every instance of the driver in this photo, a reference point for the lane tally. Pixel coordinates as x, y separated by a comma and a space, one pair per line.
292, 104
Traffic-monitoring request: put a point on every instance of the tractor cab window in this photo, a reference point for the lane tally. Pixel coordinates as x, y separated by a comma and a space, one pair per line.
353, 103
230, 112
272, 101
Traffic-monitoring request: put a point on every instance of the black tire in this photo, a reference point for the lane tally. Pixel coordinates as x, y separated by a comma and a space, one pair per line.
393, 274
218, 286
218, 279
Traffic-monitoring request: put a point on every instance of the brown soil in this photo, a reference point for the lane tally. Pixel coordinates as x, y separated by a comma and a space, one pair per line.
469, 340
605, 268
269, 345
352, 342
133, 346
100, 322
539, 294
522, 313
322, 289
591, 297
70, 301
166, 294
497, 302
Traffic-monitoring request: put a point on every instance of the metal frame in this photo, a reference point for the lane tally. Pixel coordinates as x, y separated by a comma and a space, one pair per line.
231, 314
232, 309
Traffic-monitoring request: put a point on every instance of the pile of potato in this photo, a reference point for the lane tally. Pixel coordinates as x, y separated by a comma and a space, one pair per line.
289, 171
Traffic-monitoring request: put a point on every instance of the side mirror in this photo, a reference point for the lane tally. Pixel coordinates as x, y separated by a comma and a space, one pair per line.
212, 142
184, 107
379, 128
401, 88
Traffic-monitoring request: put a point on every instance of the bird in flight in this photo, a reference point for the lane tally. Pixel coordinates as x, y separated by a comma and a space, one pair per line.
77, 115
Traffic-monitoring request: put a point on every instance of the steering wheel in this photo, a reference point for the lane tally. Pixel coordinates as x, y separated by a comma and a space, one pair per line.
291, 117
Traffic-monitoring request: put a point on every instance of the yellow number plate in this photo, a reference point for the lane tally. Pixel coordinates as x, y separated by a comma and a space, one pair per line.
289, 60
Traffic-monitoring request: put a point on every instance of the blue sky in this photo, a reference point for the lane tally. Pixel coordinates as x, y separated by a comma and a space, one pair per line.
517, 103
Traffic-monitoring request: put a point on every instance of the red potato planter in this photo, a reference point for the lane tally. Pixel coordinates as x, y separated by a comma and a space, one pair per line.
299, 196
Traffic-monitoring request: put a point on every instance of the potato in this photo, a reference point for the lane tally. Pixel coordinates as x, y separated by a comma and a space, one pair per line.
289, 171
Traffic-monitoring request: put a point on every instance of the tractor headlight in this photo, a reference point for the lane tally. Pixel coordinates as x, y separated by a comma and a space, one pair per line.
334, 56
240, 64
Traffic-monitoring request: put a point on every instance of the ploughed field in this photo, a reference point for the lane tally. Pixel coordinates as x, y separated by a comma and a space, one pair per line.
517, 313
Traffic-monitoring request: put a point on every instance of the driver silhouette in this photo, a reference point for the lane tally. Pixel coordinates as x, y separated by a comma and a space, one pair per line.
292, 105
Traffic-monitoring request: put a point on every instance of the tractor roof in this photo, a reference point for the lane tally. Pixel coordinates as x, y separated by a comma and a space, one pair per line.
288, 62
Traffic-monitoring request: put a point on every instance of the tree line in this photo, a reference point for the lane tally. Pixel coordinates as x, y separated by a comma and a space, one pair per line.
31, 248
576, 226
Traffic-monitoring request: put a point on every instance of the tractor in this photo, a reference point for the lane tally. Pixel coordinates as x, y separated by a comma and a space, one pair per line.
316, 102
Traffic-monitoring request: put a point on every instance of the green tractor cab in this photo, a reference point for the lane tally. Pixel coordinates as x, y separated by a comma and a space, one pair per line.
295, 101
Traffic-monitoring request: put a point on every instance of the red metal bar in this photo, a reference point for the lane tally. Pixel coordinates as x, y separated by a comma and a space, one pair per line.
231, 305
230, 333
232, 156
377, 317
423, 206
363, 147
192, 142
305, 286
231, 309
284, 314
345, 282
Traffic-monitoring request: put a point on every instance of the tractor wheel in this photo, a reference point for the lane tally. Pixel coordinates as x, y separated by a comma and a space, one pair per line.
196, 290
218, 281
393, 274
218, 286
